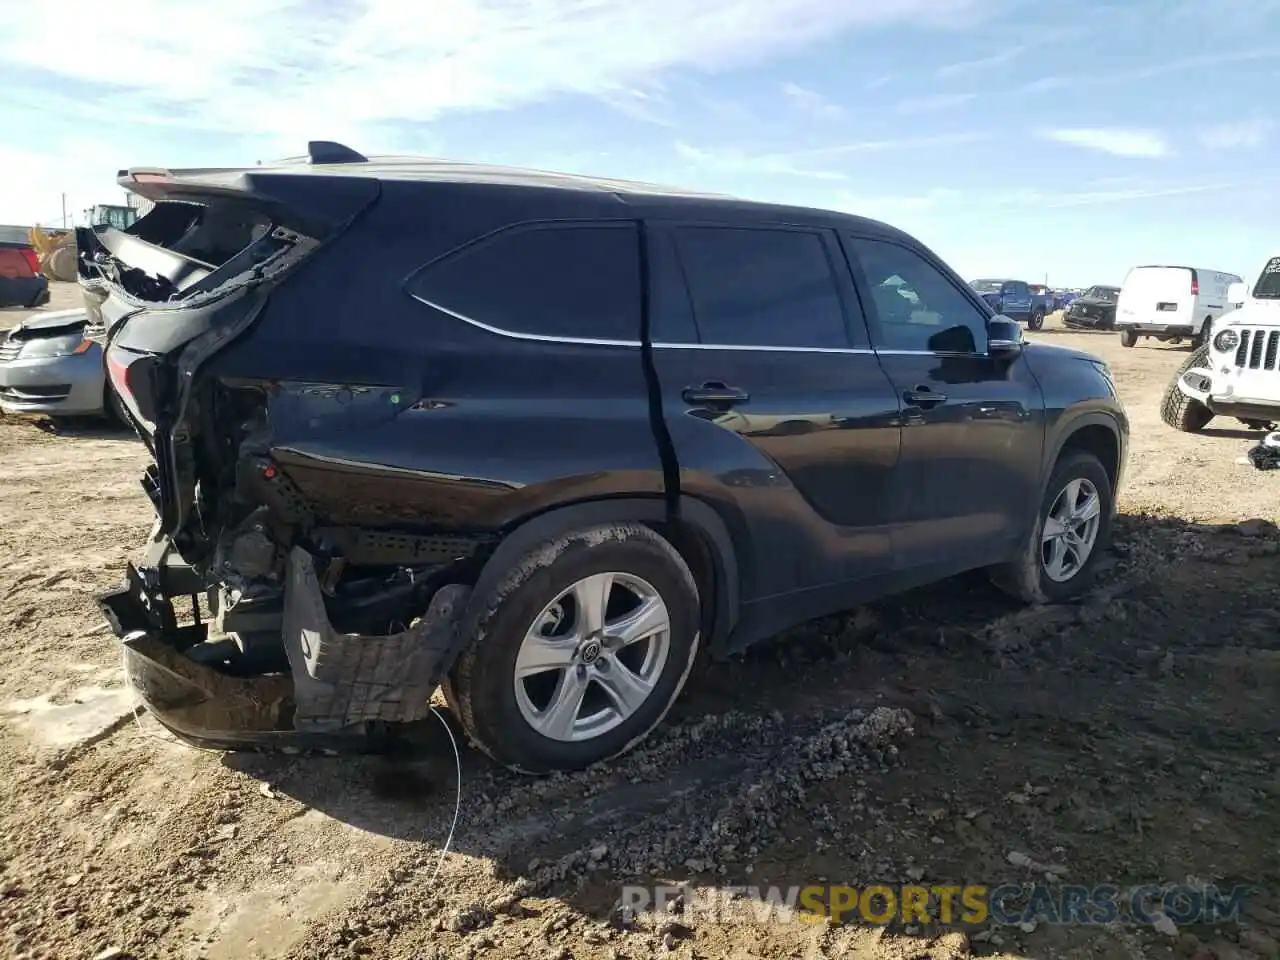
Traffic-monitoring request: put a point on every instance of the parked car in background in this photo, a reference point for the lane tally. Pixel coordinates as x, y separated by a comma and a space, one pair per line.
1172, 303
1237, 373
49, 365
21, 282
1094, 310
1049, 298
1013, 299
759, 415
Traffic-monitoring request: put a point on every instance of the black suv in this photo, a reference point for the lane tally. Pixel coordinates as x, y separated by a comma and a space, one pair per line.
539, 439
1095, 309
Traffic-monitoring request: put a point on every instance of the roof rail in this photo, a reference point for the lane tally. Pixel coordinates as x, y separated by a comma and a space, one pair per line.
327, 151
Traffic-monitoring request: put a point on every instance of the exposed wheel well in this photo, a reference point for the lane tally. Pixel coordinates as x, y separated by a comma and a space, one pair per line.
1102, 443
697, 533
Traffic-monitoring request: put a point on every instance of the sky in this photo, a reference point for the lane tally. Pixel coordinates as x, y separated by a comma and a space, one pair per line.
1019, 139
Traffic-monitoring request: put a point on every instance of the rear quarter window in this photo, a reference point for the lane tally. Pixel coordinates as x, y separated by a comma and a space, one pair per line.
574, 280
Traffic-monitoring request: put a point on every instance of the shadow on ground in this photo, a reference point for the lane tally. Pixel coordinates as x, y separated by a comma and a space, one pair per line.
1130, 738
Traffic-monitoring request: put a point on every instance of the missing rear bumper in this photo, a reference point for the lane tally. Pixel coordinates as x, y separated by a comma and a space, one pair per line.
338, 688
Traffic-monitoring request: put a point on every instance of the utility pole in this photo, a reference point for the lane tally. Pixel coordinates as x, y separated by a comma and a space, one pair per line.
64, 211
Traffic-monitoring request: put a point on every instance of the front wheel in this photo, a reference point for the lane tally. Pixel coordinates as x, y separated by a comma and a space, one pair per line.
576, 651
1072, 530
1036, 320
1179, 411
1205, 336
1128, 338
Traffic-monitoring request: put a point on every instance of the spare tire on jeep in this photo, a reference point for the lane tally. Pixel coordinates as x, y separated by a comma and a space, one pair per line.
1176, 408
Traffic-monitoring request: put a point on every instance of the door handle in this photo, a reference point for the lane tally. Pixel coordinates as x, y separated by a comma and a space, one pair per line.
923, 397
716, 394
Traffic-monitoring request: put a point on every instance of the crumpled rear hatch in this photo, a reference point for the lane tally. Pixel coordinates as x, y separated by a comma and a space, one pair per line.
189, 278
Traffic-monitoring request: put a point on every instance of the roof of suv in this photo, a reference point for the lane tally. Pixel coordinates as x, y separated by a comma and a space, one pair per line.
435, 170
431, 169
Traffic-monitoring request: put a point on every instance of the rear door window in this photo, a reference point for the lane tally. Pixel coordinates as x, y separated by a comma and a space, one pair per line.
566, 280
763, 287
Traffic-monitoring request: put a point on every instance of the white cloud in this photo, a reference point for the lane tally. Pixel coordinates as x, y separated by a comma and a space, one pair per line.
799, 163
934, 103
1118, 141
888, 207
965, 67
811, 102
1243, 133
34, 185
297, 70
1203, 62
944, 199
728, 160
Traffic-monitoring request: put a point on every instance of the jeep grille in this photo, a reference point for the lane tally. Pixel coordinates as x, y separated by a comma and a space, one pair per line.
1257, 350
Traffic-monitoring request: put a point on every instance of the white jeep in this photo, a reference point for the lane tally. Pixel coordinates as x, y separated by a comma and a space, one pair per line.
1237, 373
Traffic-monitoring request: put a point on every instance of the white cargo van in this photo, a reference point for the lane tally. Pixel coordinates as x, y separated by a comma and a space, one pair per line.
1172, 303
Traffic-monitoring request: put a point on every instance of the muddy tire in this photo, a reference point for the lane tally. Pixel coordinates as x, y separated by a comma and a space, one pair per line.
1205, 336
1079, 500
1176, 408
1128, 338
608, 617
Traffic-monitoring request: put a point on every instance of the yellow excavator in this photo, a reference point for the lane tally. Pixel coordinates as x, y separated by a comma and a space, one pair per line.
57, 248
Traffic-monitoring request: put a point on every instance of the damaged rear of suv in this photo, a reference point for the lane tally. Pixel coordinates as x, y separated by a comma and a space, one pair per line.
539, 439
336, 461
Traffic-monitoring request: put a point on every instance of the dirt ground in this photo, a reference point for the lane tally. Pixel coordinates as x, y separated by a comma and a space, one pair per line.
943, 736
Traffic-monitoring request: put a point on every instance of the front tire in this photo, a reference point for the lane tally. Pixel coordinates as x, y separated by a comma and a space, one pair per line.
1128, 338
578, 650
1179, 411
1036, 320
1072, 530
1205, 336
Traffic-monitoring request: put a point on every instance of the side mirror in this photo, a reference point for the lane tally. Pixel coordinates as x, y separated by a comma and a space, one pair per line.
1004, 337
1237, 293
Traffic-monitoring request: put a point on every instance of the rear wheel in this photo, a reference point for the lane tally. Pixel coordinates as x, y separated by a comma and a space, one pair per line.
1128, 338
1072, 530
577, 651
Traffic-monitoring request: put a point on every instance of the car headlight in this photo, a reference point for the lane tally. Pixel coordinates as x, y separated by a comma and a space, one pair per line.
60, 346
1226, 340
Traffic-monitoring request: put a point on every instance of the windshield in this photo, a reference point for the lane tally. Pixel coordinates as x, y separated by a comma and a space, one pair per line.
987, 286
1103, 293
1268, 286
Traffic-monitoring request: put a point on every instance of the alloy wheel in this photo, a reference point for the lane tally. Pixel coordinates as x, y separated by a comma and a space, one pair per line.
1071, 530
592, 657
